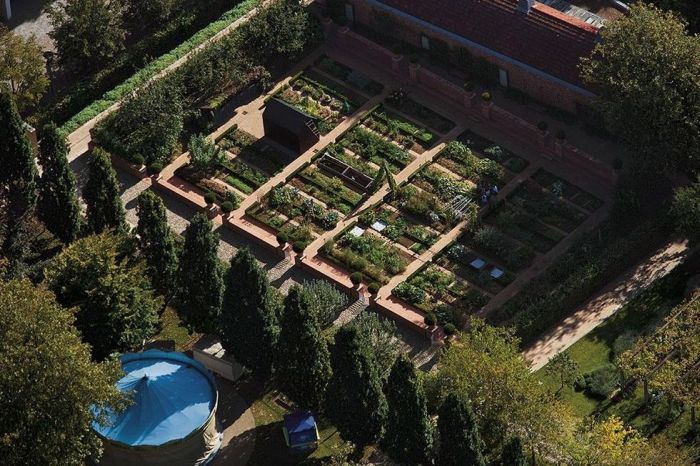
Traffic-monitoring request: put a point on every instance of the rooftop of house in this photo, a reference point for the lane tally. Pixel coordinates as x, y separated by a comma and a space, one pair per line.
540, 36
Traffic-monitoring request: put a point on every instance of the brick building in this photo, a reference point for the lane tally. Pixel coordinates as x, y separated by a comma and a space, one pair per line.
521, 44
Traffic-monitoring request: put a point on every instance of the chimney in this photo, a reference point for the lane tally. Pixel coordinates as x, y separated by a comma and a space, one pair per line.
524, 6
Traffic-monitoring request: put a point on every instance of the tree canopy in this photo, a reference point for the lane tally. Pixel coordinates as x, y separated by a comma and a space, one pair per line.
58, 201
354, 388
118, 310
326, 300
249, 321
48, 383
685, 210
460, 442
22, 68
645, 71
302, 363
199, 277
102, 195
156, 241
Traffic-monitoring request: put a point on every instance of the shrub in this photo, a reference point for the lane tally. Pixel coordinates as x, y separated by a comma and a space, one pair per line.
543, 126
155, 167
299, 246
137, 159
374, 287
226, 207
282, 238
450, 329
233, 199
204, 154
410, 293
486, 96
209, 197
356, 278
623, 342
602, 382
430, 319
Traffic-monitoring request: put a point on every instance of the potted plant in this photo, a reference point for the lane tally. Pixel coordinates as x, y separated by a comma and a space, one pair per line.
430, 319
486, 96
282, 238
209, 198
356, 278
154, 168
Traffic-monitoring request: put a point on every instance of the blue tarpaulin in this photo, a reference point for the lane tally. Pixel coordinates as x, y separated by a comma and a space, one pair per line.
173, 396
300, 429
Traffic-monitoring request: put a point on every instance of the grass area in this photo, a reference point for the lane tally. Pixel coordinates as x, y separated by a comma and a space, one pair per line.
270, 447
172, 329
597, 349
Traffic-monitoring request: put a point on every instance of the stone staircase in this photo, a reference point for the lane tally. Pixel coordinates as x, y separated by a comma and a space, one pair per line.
352, 311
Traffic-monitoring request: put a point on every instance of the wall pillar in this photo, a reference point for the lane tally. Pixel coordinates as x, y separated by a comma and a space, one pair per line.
5, 9
395, 60
486, 110
413, 71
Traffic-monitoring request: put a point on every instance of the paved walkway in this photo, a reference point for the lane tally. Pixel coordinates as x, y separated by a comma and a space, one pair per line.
236, 418
605, 304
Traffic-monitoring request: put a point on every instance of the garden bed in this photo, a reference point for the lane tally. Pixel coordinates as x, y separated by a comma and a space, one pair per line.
257, 153
348, 76
551, 210
372, 147
485, 148
474, 268
461, 161
493, 244
327, 188
562, 188
403, 132
399, 229
523, 227
402, 102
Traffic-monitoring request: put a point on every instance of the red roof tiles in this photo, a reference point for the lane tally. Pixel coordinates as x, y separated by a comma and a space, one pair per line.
544, 38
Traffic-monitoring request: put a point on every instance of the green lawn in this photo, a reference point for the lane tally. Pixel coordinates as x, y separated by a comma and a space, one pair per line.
172, 329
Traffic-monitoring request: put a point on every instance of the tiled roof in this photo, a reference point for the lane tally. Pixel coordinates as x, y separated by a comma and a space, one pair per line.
543, 38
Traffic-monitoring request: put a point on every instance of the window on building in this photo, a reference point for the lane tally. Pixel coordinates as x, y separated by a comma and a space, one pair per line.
503, 77
425, 42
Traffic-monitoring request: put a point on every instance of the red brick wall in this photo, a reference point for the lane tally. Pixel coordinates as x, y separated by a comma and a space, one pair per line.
519, 78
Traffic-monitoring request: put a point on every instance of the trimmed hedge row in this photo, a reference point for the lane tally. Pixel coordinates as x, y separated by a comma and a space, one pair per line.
156, 66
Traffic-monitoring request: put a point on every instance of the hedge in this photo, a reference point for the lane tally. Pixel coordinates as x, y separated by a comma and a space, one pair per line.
156, 66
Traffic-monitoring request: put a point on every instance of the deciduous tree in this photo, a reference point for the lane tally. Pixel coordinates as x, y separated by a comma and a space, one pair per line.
49, 383
101, 195
203, 153
645, 70
564, 368
460, 442
249, 322
118, 310
355, 402
409, 431
326, 300
157, 241
513, 454
302, 365
685, 210
199, 277
87, 33
22, 68
58, 202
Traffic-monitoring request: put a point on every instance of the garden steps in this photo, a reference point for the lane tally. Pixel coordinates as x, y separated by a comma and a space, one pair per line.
352, 311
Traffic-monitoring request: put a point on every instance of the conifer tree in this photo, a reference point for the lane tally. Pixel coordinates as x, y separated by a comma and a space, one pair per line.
249, 315
355, 402
200, 282
512, 454
18, 190
389, 177
58, 202
409, 432
302, 366
460, 442
101, 195
157, 241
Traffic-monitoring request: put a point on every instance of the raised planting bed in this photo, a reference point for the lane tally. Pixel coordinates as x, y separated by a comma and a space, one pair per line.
327, 188
562, 188
242, 176
493, 244
485, 148
435, 290
212, 180
474, 268
372, 147
523, 227
424, 207
320, 101
360, 250
551, 210
255, 152
398, 228
348, 76
402, 102
444, 185
403, 132
460, 160
286, 210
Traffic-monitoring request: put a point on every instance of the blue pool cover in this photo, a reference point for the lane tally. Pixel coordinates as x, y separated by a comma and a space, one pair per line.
173, 396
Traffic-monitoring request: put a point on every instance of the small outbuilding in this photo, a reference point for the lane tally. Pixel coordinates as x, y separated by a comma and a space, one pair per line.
289, 126
300, 431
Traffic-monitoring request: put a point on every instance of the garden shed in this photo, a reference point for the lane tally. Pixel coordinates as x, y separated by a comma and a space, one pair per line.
300, 430
289, 126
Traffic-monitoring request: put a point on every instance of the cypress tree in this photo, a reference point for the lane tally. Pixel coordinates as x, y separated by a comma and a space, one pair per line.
460, 443
409, 432
355, 402
157, 241
200, 282
389, 177
512, 454
249, 316
101, 194
18, 175
302, 367
58, 202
